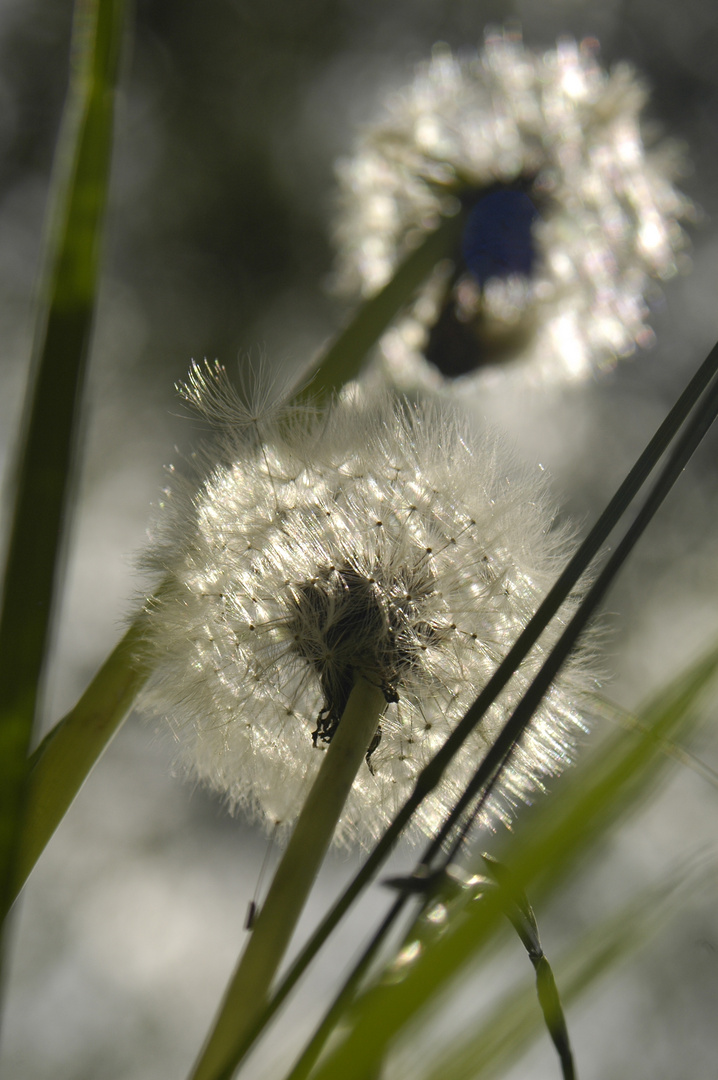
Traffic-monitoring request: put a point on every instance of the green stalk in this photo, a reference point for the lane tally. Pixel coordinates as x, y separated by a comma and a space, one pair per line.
45, 470
343, 358
64, 758
248, 992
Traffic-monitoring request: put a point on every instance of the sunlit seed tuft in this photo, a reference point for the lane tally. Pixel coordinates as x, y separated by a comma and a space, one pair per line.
271, 606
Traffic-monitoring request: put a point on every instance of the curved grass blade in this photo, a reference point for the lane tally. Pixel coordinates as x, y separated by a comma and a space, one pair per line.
522, 917
514, 1024
442, 891
448, 896
45, 471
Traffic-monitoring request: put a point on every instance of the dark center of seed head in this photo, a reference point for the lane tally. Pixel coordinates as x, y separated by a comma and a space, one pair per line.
347, 624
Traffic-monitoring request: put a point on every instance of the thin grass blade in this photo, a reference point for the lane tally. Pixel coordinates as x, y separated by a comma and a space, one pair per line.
44, 479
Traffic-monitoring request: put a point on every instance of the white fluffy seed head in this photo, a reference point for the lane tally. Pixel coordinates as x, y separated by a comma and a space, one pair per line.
567, 133
376, 538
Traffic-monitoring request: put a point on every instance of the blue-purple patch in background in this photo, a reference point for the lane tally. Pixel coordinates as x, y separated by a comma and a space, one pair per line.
497, 240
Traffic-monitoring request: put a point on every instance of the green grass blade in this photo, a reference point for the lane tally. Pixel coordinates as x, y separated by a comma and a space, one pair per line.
44, 474
63, 760
565, 829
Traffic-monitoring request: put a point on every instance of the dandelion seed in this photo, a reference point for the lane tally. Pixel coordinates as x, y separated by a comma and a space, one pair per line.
375, 540
569, 215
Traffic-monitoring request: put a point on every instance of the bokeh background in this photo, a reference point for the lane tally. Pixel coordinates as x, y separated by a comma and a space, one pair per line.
231, 117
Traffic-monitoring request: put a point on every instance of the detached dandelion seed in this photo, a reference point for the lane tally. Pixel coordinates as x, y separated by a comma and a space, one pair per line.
570, 216
375, 540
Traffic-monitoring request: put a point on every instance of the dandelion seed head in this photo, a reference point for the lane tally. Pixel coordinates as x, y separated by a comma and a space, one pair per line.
561, 292
375, 539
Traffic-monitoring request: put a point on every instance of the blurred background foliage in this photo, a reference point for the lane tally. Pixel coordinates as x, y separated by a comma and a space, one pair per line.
231, 116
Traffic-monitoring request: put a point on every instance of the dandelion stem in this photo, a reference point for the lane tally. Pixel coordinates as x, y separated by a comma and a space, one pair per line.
343, 357
248, 991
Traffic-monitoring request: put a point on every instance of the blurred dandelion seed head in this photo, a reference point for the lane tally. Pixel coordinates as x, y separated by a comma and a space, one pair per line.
562, 291
376, 539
